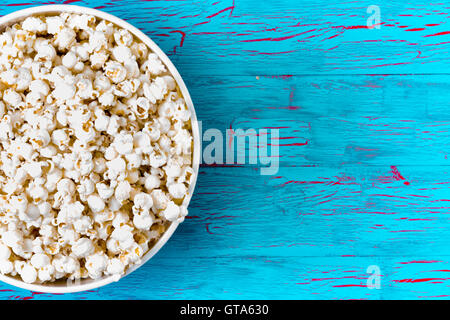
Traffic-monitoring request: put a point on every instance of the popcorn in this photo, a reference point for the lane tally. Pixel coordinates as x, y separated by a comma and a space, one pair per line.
104, 191
124, 236
98, 59
82, 225
39, 86
28, 273
6, 266
38, 193
2, 109
132, 68
98, 41
86, 186
40, 139
155, 91
9, 77
177, 190
85, 133
34, 25
157, 159
12, 239
113, 125
66, 187
134, 160
143, 221
121, 53
96, 264
115, 167
171, 212
154, 65
122, 191
72, 266
85, 90
123, 37
75, 210
141, 107
46, 273
124, 89
94, 149
69, 60
40, 260
115, 71
54, 24
65, 38
140, 50
172, 169
151, 182
44, 208
101, 121
64, 91
123, 143
83, 247
115, 266
99, 165
19, 203
12, 98
142, 142
5, 252
143, 201
160, 199
80, 22
95, 203
53, 177
106, 99
61, 139
45, 52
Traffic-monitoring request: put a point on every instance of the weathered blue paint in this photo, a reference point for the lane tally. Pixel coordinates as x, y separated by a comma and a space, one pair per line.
364, 125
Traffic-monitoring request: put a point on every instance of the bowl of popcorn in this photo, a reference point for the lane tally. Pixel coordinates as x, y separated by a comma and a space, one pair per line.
99, 148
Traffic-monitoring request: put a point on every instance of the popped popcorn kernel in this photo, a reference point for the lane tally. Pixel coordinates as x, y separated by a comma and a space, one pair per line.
94, 150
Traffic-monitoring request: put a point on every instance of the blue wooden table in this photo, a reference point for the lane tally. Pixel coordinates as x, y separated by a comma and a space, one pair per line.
363, 115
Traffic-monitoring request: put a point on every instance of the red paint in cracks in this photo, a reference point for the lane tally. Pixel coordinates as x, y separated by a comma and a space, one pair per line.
418, 280
357, 27
438, 34
273, 39
415, 29
223, 10
350, 285
70, 1
18, 4
183, 36
354, 27
419, 261
397, 175
298, 144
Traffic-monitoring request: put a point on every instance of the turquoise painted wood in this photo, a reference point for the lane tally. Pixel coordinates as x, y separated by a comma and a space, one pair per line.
364, 122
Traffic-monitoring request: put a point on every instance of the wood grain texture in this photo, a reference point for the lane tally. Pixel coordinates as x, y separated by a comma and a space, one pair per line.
364, 134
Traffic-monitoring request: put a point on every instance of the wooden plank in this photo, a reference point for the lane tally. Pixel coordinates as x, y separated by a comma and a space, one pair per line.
316, 231
364, 173
334, 120
290, 278
288, 37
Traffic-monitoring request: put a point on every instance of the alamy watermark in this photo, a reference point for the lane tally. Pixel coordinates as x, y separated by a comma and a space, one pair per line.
238, 146
374, 20
374, 280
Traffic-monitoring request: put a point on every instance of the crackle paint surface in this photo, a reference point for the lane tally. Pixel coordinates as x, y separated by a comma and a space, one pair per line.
364, 120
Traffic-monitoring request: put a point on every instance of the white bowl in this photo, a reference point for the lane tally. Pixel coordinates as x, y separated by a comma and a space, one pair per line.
88, 284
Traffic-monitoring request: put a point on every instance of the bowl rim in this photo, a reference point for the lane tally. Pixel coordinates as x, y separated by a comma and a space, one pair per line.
90, 284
